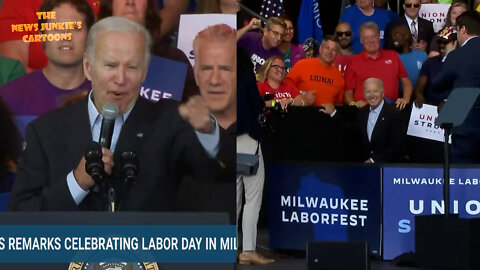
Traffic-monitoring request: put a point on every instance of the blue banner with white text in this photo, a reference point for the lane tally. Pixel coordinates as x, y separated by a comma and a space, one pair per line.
419, 191
324, 202
130, 243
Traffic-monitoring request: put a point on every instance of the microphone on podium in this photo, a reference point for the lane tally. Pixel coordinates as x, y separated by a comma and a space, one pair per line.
109, 113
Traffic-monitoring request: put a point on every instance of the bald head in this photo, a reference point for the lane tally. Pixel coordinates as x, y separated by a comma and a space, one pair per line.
344, 35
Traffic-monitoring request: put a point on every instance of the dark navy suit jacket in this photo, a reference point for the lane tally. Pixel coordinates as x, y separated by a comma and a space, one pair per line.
425, 31
461, 69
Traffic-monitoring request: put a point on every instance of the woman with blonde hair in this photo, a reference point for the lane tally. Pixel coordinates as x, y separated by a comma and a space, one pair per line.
270, 81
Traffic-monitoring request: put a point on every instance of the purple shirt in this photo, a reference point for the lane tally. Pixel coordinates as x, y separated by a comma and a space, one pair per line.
296, 54
33, 95
252, 43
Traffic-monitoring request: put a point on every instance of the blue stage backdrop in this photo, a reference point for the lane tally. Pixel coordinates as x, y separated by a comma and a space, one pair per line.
325, 203
419, 191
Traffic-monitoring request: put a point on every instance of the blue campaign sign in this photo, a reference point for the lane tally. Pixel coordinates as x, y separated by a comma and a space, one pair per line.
419, 191
165, 79
323, 202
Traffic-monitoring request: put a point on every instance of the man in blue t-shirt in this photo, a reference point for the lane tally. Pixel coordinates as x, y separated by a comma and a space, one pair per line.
362, 12
383, 4
411, 59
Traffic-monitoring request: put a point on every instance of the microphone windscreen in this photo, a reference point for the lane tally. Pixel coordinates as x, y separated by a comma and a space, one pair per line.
110, 111
93, 146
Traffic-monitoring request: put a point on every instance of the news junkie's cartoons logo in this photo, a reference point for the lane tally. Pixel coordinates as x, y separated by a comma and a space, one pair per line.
57, 31
113, 266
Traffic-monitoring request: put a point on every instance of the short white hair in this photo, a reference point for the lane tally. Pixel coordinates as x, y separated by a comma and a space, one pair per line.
117, 25
374, 80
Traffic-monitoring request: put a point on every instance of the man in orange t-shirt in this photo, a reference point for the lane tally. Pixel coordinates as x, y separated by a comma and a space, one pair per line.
319, 75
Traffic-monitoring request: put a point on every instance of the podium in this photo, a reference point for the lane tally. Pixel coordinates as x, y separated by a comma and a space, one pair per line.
115, 218
447, 241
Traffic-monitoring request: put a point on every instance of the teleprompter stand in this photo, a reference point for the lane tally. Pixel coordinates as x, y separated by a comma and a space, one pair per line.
447, 241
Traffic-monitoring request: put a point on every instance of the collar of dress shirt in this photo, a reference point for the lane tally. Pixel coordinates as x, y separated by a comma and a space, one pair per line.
365, 56
378, 109
409, 21
468, 40
93, 113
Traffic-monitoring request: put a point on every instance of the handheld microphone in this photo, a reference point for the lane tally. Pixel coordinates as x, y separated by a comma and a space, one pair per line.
109, 113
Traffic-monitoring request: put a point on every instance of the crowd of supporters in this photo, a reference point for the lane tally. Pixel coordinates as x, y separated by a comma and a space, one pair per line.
371, 41
351, 100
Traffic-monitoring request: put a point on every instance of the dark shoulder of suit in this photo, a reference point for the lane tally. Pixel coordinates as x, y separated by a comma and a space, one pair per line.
425, 21
51, 121
398, 119
390, 108
427, 32
466, 63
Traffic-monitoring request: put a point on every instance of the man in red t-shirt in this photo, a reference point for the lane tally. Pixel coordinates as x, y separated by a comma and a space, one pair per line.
12, 12
377, 63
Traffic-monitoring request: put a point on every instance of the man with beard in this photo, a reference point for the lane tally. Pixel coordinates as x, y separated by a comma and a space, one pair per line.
411, 59
343, 33
261, 47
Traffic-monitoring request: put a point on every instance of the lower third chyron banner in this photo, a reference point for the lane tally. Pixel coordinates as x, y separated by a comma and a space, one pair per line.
408, 192
113, 243
325, 203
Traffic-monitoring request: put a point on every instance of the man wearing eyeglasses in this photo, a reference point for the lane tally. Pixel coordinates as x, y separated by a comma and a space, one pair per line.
343, 33
420, 29
261, 47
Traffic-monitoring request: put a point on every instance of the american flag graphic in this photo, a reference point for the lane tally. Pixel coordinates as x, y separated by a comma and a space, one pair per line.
271, 8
